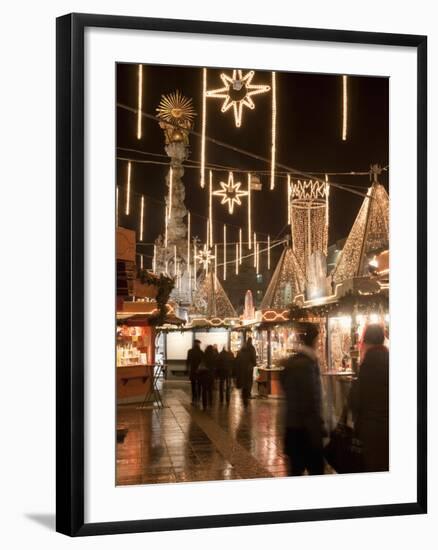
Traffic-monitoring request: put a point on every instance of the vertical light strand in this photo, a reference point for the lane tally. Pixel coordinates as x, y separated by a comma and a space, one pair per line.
189, 265
141, 261
215, 266
207, 232
210, 206
237, 259
141, 217
327, 191
174, 260
258, 258
169, 213
225, 253
249, 212
204, 124
154, 260
269, 251
117, 206
255, 249
194, 264
289, 221
167, 267
274, 129
139, 100
128, 189
344, 107
166, 221
240, 246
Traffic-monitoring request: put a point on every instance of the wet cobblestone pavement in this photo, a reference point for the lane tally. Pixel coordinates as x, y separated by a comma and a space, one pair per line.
182, 442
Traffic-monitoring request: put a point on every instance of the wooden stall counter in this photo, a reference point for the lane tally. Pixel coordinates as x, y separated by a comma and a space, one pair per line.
269, 381
134, 382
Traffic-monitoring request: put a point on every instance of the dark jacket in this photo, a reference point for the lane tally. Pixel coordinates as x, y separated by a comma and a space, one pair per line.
195, 357
301, 382
225, 364
245, 363
370, 407
211, 361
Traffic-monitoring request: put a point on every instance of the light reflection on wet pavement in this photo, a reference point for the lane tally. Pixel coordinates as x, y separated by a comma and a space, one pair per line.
182, 442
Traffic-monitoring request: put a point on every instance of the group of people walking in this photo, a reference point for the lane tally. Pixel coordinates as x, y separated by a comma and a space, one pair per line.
210, 367
305, 428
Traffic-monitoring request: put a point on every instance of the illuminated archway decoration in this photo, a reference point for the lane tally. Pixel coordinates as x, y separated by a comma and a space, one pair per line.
237, 93
230, 192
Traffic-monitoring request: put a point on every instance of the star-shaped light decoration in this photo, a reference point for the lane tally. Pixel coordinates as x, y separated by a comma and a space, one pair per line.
237, 92
205, 257
230, 193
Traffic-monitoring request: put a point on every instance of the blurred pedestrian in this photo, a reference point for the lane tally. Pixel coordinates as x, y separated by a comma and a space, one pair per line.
370, 402
246, 360
206, 375
225, 371
304, 426
194, 359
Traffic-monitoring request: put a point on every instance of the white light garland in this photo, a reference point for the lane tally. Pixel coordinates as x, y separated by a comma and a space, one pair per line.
237, 259
344, 107
141, 217
166, 220
189, 265
215, 266
128, 190
225, 253
140, 101
195, 254
240, 245
230, 192
141, 261
174, 260
204, 124
249, 212
269, 251
169, 213
255, 249
233, 84
288, 200
273, 129
210, 207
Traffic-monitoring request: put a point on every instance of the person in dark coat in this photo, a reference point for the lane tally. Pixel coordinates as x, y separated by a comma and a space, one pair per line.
225, 371
195, 357
246, 360
206, 375
371, 401
304, 426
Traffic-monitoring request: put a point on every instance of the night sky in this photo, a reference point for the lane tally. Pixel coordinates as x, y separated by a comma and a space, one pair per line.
309, 113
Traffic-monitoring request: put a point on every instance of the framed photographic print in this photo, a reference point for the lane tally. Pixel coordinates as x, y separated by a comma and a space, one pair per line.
241, 274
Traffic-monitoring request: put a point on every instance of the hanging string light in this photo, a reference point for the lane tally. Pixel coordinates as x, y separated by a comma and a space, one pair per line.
174, 260
327, 202
225, 253
117, 206
128, 189
258, 258
240, 245
141, 217
141, 261
140, 100
166, 221
249, 212
255, 249
189, 265
195, 253
344, 107
204, 124
237, 259
215, 265
210, 207
288, 200
274, 129
169, 213
269, 251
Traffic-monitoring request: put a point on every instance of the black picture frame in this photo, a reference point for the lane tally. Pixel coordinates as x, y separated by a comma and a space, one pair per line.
70, 273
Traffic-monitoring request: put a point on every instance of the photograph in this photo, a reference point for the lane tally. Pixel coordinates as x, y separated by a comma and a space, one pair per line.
252, 327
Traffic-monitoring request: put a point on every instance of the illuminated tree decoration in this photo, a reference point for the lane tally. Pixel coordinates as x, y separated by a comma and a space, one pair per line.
205, 257
230, 192
237, 93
